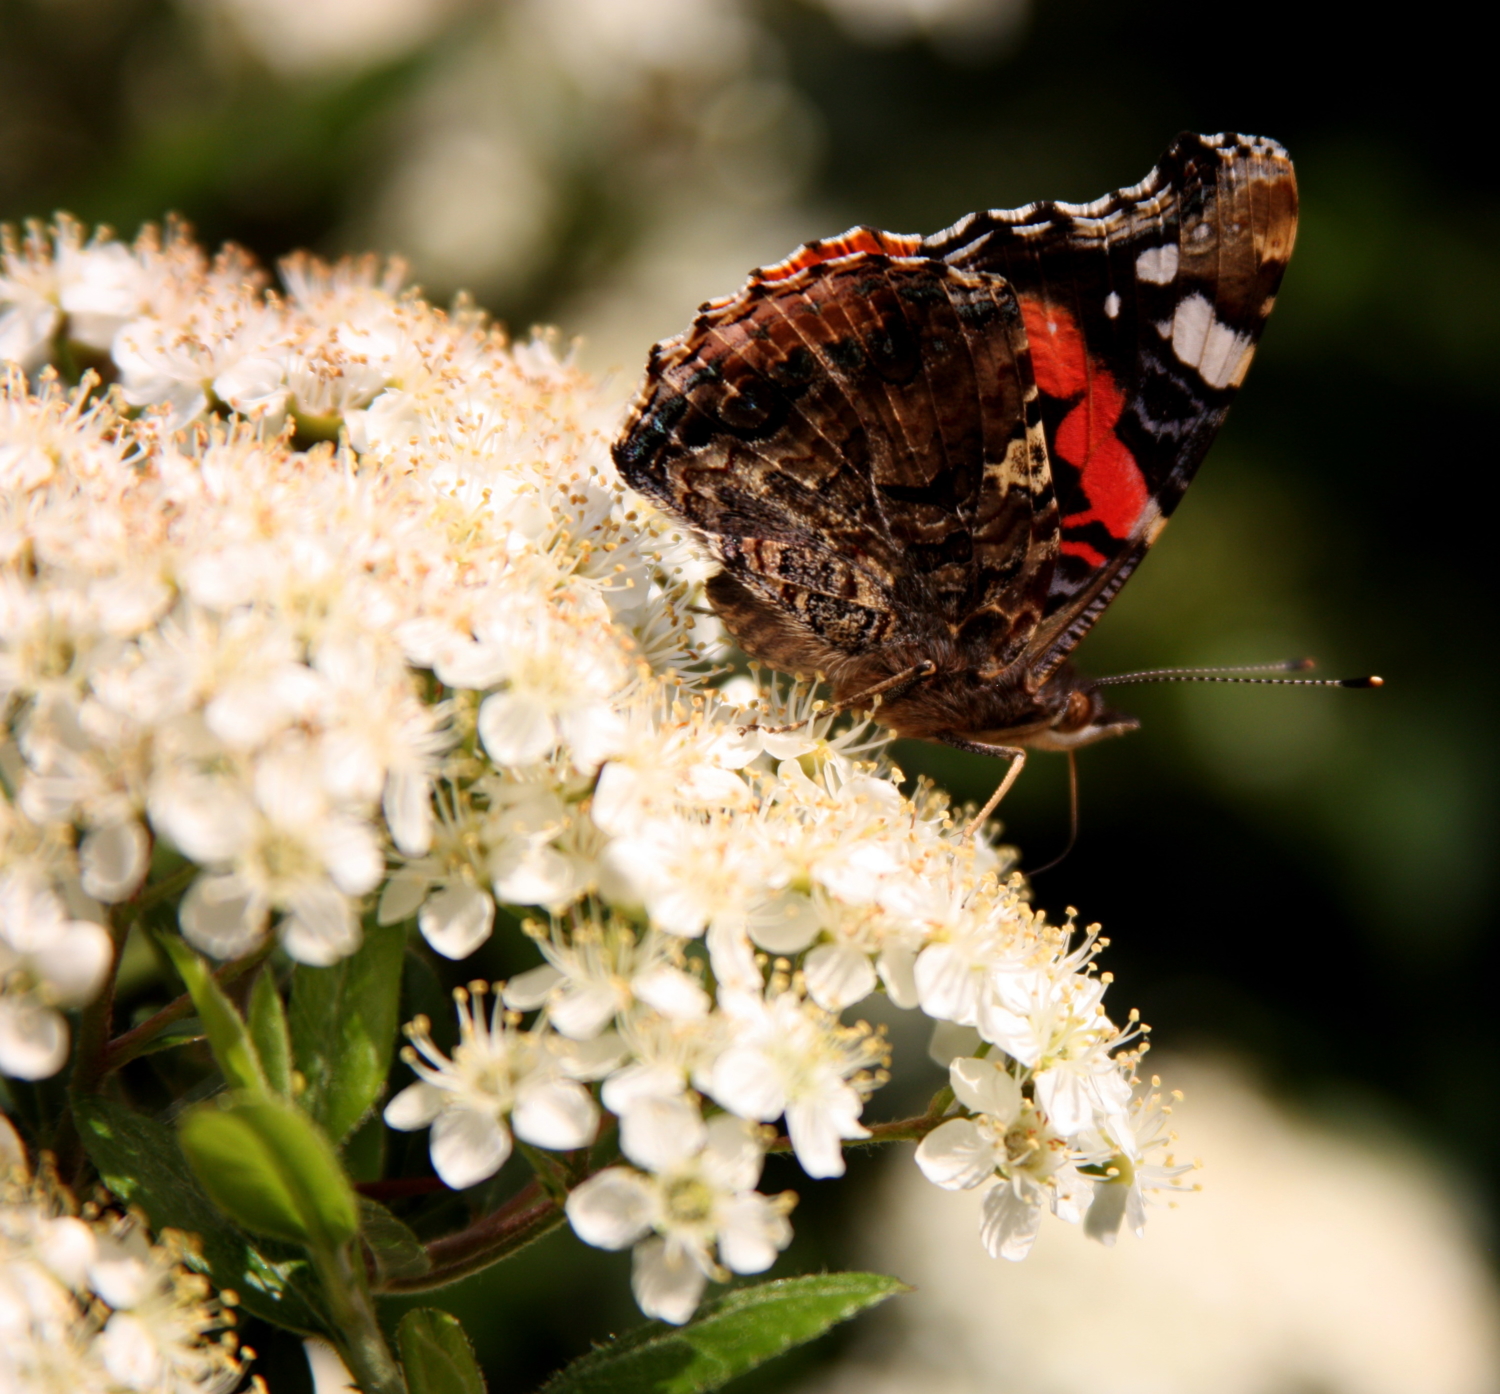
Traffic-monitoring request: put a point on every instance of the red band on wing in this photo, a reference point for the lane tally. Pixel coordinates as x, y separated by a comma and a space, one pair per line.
1092, 556
1058, 355
1108, 474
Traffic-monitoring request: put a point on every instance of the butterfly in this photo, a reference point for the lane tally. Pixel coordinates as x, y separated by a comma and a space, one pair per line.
925, 465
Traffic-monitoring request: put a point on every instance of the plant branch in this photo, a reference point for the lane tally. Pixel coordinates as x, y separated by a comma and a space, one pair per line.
360, 1341
400, 1187
533, 1212
525, 1217
125, 1048
94, 1020
897, 1130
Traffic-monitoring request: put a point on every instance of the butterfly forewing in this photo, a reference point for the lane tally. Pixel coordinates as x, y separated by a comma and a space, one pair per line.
1144, 309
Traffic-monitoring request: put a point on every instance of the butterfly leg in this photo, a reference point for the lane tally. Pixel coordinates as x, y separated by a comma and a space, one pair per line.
899, 684
1013, 753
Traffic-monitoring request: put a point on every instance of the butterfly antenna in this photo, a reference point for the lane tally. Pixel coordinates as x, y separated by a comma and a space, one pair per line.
1240, 675
1072, 817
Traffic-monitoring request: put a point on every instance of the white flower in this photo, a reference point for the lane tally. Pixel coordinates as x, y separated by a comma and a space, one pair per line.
500, 1080
786, 1056
1056, 1025
1006, 1138
444, 889
956, 973
671, 762
46, 961
695, 1193
595, 973
90, 1303
561, 676
1125, 1173
720, 877
231, 349
527, 821
274, 841
378, 740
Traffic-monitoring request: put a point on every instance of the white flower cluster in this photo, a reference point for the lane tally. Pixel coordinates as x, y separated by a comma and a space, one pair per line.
88, 1302
449, 664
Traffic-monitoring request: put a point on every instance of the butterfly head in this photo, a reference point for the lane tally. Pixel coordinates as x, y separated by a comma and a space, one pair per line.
1082, 717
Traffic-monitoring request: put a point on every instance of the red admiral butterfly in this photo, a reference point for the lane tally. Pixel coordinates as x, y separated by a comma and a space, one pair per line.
927, 464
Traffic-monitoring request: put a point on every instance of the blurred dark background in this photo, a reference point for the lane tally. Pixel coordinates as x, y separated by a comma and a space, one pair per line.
1306, 878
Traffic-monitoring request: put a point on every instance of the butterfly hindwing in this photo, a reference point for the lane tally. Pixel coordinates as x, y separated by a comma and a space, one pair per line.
858, 439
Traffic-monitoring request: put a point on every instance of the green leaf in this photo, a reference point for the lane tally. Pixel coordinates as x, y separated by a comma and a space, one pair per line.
139, 1160
269, 1033
343, 1022
729, 1336
363, 1150
185, 1032
436, 1355
227, 1038
270, 1168
397, 1252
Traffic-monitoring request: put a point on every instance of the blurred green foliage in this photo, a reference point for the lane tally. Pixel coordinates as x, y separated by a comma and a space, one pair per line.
1305, 877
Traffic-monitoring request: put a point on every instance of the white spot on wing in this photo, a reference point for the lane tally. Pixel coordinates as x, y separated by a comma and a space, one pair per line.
1112, 305
1198, 339
1157, 264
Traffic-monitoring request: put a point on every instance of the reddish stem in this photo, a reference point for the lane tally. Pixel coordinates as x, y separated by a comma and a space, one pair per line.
400, 1187
526, 1216
124, 1048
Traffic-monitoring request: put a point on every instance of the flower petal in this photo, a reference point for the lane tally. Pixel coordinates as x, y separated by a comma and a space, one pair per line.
671, 992
76, 962
956, 1156
657, 1133
130, 1353
744, 1082
1063, 1095
815, 1138
457, 920
838, 976
222, 915
113, 859
527, 991
559, 1114
402, 896
612, 1209
784, 924
734, 1154
33, 1039
468, 1146
414, 1107
515, 731
666, 1281
322, 927
986, 1086
1008, 1225
752, 1231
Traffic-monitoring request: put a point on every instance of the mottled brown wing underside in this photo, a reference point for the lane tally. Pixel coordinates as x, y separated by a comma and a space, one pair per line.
858, 440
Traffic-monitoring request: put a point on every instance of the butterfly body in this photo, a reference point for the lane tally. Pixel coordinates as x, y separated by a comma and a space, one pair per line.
926, 465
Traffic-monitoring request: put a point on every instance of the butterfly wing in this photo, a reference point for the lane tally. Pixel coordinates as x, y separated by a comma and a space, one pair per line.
1143, 311
857, 437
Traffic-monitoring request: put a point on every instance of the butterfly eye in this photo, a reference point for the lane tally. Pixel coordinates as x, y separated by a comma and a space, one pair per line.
1079, 711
